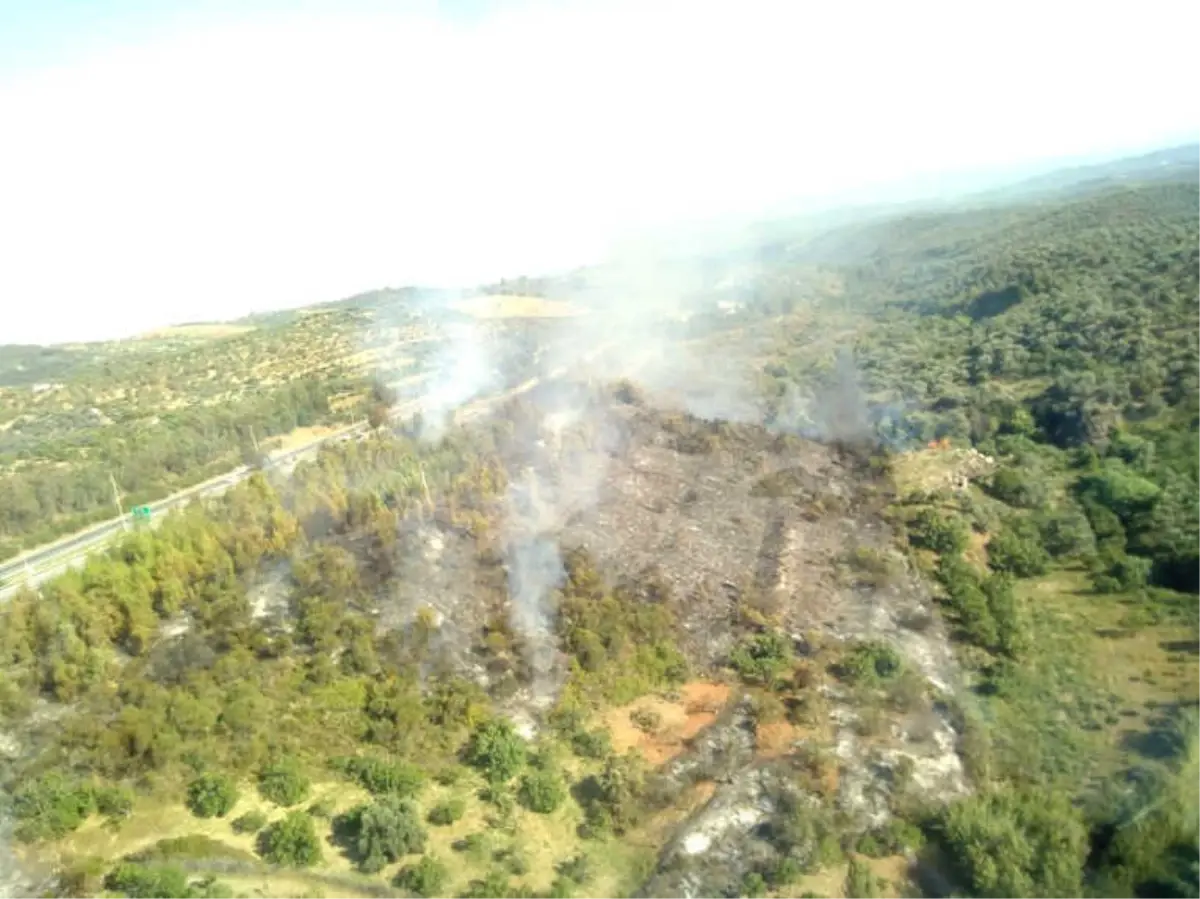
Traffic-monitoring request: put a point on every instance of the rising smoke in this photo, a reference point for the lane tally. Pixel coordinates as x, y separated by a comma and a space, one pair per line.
633, 327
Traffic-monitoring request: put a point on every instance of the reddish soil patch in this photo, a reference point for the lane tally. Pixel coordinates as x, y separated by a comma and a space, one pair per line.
775, 738
674, 722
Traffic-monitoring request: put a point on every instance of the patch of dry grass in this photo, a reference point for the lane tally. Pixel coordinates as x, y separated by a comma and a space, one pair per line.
513, 306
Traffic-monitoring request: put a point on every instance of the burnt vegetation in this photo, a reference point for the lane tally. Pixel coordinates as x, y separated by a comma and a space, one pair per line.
899, 578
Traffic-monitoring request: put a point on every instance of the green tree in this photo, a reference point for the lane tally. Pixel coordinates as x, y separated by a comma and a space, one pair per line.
496, 749
945, 535
762, 657
380, 777
50, 807
250, 822
1020, 488
541, 791
1016, 844
291, 841
446, 813
211, 795
1017, 549
140, 881
426, 878
283, 782
381, 832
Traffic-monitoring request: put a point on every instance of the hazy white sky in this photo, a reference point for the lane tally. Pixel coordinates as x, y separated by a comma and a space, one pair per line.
219, 164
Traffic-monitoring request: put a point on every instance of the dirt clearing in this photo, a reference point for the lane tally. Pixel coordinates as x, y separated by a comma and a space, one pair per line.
659, 728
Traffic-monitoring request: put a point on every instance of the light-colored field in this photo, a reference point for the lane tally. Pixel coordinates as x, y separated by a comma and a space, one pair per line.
511, 306
212, 331
300, 437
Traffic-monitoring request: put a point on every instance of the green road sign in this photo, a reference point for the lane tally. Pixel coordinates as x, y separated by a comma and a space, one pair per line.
141, 513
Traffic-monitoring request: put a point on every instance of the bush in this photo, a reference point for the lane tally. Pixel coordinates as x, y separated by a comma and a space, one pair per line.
113, 802
871, 663
646, 720
612, 800
446, 813
1018, 549
283, 782
211, 795
944, 535
541, 792
426, 878
148, 881
762, 657
1066, 532
893, 838
1117, 572
1016, 844
1010, 634
1018, 488
861, 882
322, 808
496, 749
251, 822
577, 869
495, 885
381, 832
50, 808
380, 777
291, 841
591, 744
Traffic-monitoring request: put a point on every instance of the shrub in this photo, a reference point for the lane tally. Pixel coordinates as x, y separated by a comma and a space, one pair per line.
577, 869
762, 657
944, 535
591, 744
1016, 844
496, 749
1066, 532
113, 802
1010, 634
646, 720
1018, 488
192, 847
892, 838
871, 663
322, 808
541, 791
50, 807
448, 776
291, 841
495, 885
861, 881
380, 777
1018, 549
1120, 573
251, 822
426, 878
380, 832
211, 795
446, 813
612, 800
148, 881
283, 782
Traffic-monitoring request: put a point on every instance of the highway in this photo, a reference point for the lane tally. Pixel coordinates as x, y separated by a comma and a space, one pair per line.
37, 565
40, 564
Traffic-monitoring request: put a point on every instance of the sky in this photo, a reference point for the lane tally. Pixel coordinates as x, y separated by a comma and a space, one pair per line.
166, 162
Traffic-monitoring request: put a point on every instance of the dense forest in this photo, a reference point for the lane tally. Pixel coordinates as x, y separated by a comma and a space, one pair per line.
318, 683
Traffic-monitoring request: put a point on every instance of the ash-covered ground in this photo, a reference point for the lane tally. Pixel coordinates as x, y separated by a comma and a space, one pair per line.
723, 521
